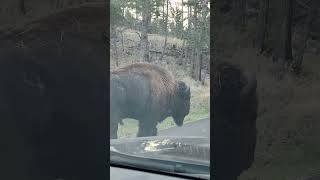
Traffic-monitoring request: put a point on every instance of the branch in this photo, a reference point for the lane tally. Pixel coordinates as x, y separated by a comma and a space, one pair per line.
155, 51
302, 4
138, 34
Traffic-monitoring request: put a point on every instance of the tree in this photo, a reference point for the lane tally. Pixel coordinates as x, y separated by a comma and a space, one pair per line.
147, 8
241, 14
146, 21
163, 17
198, 36
178, 26
117, 20
262, 26
270, 38
282, 38
306, 31
166, 33
22, 7
182, 53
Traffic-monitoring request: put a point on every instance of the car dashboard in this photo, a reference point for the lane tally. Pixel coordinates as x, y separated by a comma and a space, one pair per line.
117, 173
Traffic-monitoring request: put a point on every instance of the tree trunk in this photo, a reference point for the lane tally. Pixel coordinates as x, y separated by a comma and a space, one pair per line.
193, 63
136, 19
166, 34
312, 15
199, 67
288, 32
114, 31
146, 18
189, 15
163, 17
240, 12
195, 70
122, 40
282, 36
59, 4
243, 11
182, 12
157, 18
22, 7
279, 30
196, 65
262, 26
136, 14
182, 53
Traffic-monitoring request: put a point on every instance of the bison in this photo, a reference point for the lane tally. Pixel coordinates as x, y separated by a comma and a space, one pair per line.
53, 108
234, 120
149, 94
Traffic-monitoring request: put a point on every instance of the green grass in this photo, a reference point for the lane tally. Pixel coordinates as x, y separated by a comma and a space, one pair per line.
130, 127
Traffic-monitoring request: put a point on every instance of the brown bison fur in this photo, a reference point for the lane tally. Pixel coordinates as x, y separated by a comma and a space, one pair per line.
149, 94
53, 108
234, 122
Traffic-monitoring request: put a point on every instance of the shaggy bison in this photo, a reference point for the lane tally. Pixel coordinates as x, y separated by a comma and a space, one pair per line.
53, 108
234, 122
149, 94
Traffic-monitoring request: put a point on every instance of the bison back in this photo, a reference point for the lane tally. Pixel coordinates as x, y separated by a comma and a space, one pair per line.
150, 88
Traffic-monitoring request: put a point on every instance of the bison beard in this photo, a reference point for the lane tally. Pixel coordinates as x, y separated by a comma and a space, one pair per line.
53, 109
148, 94
234, 122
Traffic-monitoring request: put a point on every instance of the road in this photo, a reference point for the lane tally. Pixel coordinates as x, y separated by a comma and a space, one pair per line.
198, 128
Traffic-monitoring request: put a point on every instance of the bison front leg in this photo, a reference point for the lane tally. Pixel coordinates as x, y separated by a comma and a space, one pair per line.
147, 129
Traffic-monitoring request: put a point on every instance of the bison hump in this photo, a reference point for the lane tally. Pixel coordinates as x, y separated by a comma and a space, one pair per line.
161, 81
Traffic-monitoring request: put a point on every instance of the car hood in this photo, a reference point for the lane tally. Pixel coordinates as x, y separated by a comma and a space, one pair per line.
194, 150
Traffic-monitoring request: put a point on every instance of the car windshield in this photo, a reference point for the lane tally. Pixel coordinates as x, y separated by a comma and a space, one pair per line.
160, 86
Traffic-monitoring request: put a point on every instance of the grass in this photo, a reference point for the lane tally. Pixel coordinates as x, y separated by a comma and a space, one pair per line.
130, 127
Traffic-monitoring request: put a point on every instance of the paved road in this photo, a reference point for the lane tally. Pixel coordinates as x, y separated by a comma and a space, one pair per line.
198, 128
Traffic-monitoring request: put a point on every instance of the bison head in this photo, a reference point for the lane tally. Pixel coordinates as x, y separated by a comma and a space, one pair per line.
181, 105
